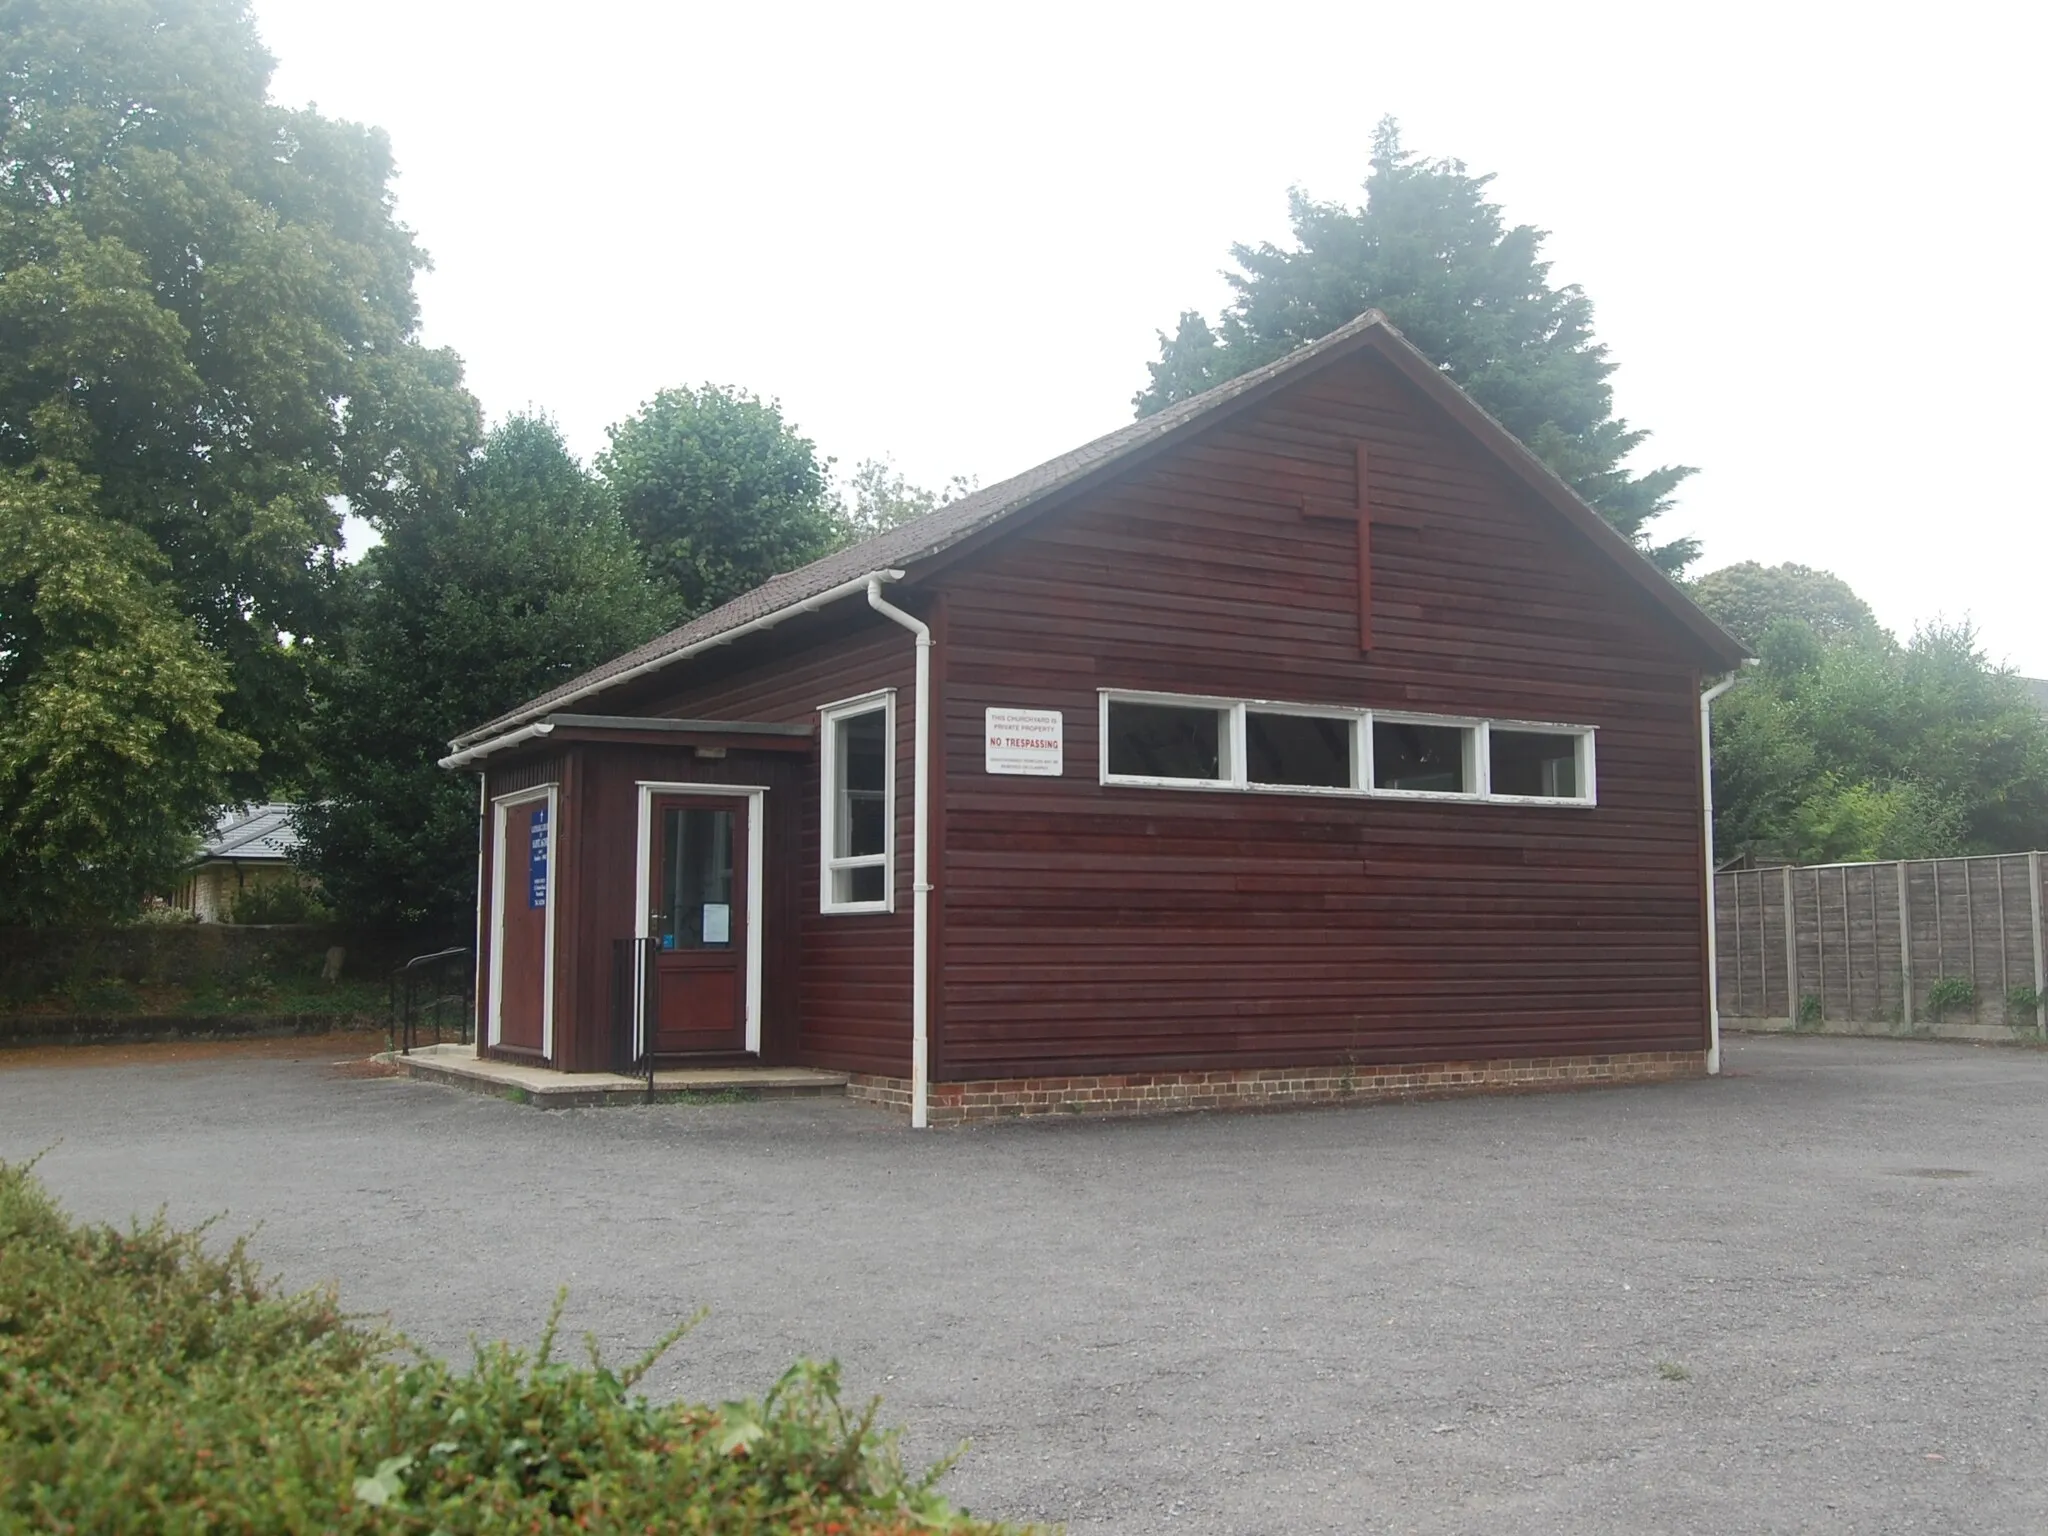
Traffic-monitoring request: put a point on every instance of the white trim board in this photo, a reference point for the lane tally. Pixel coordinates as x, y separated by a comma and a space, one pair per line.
501, 807
756, 796
829, 716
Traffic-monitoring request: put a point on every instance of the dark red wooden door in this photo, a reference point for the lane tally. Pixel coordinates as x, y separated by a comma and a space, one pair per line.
697, 919
525, 852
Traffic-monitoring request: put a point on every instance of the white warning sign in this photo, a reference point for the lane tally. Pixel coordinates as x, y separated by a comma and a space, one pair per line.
1026, 741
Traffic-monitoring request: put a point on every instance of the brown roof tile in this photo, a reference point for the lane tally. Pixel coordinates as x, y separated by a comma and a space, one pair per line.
924, 537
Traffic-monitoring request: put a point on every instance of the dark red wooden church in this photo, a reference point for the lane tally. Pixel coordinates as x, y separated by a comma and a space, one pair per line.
1307, 740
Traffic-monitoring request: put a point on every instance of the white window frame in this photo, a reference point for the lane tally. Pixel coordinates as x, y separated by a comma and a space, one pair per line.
1475, 754
1229, 738
829, 865
1233, 758
1582, 737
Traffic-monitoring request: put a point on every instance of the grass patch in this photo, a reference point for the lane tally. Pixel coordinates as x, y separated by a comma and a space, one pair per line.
1951, 994
1671, 1370
149, 1385
708, 1096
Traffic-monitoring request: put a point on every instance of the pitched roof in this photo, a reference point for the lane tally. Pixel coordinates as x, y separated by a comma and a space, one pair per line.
898, 549
252, 833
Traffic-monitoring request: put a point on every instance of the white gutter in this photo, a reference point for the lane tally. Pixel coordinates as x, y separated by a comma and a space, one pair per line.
1707, 847
484, 749
667, 658
920, 838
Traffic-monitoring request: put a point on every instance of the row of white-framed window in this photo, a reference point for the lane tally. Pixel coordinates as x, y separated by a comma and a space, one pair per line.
1186, 741
1192, 741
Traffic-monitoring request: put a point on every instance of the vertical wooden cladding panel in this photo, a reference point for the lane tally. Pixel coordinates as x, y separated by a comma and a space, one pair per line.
607, 824
1103, 929
850, 973
507, 779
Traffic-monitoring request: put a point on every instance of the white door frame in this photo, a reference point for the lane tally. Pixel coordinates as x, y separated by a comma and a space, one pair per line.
756, 796
501, 808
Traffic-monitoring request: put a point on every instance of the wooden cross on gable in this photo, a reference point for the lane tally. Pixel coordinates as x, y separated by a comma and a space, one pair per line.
1364, 514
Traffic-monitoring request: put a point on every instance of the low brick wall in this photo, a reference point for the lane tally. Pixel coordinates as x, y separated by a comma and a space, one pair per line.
1152, 1093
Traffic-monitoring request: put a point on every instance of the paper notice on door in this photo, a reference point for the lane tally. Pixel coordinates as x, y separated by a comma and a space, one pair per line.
717, 923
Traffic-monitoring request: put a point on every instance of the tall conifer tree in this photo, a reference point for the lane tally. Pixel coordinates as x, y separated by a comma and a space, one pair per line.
1431, 250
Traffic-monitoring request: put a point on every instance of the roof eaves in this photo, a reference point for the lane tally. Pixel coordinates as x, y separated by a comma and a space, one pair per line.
938, 531
903, 548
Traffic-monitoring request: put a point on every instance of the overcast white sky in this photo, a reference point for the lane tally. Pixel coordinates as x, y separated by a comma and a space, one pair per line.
1813, 234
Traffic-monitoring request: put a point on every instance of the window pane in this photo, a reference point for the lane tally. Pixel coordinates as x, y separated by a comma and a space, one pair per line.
1534, 763
863, 795
1408, 756
1164, 741
863, 755
865, 884
1298, 749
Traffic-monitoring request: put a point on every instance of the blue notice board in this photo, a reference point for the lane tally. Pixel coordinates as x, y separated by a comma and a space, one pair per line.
537, 859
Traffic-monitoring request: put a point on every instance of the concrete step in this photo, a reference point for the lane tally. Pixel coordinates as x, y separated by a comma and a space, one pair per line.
458, 1066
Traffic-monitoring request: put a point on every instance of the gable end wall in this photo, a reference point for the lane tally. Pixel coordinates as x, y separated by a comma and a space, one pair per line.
1091, 929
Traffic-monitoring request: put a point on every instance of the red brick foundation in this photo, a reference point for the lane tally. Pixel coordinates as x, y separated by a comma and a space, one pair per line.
1152, 1093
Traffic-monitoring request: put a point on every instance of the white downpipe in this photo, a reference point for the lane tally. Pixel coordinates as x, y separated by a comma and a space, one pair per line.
920, 879
1707, 847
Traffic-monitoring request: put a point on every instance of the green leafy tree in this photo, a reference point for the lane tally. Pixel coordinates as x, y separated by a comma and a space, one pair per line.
1860, 748
1746, 599
1431, 250
111, 743
719, 492
206, 305
882, 498
465, 610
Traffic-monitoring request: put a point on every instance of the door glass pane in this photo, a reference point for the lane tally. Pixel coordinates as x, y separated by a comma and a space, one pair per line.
694, 900
1408, 756
1164, 741
1534, 763
1297, 749
863, 785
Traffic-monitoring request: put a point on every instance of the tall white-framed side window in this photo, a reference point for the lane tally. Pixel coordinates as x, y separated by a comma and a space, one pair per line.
857, 820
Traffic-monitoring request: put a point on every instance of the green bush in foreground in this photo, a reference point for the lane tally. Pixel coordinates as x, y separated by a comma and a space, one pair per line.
148, 1386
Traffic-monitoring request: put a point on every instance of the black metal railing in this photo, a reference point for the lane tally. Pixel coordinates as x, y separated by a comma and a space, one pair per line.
436, 991
632, 1000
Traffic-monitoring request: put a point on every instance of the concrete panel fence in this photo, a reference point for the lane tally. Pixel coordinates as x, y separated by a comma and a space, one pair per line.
1924, 946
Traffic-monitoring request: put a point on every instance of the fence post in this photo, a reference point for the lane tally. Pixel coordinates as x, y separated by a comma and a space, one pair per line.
1905, 949
1791, 956
2040, 968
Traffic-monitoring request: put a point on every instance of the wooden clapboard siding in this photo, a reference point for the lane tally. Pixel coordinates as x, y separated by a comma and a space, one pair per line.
850, 973
606, 823
1098, 929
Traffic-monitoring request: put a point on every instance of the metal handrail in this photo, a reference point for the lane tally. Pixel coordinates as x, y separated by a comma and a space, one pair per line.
632, 990
408, 1008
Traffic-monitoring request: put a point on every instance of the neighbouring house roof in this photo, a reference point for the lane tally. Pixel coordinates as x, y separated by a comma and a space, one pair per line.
252, 834
898, 551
